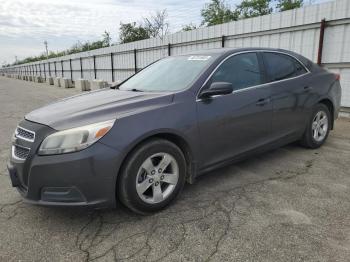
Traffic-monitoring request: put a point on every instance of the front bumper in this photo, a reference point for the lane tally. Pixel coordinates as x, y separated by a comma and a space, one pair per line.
84, 178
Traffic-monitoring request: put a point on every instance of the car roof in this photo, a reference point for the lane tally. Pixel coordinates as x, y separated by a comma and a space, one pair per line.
225, 51
222, 52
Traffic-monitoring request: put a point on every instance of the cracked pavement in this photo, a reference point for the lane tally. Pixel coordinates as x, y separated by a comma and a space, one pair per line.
290, 204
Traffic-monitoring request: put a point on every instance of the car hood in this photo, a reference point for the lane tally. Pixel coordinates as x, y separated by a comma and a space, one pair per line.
96, 106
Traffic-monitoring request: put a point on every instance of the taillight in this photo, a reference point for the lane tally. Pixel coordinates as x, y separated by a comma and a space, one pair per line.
337, 77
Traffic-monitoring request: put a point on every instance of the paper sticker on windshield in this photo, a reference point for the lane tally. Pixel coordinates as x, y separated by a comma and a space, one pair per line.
199, 58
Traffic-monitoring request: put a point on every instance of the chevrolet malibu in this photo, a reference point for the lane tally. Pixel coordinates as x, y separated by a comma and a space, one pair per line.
178, 118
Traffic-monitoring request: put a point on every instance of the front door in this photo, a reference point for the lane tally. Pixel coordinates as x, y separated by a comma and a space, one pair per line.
233, 124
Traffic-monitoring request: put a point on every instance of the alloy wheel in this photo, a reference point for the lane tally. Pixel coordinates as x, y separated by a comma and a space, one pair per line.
157, 178
320, 126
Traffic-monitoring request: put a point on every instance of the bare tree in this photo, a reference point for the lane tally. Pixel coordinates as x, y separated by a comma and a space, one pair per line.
157, 25
106, 38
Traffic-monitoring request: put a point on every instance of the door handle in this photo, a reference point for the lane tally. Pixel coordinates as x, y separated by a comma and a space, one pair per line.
307, 88
263, 101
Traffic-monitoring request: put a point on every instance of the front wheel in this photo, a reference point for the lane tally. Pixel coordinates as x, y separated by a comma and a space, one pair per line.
152, 176
318, 127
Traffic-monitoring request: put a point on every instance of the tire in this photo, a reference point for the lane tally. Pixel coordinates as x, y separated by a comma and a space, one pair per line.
310, 139
142, 186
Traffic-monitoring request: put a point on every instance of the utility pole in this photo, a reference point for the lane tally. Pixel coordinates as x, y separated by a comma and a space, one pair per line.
47, 51
16, 59
47, 59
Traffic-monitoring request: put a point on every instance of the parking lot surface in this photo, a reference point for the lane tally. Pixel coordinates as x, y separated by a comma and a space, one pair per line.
290, 204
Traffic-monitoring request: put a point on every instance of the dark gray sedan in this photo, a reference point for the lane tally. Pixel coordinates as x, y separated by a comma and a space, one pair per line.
173, 121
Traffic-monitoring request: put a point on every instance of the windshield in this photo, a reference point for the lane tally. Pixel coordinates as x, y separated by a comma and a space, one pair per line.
169, 74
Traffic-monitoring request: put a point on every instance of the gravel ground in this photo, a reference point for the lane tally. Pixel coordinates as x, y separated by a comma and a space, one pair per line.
290, 204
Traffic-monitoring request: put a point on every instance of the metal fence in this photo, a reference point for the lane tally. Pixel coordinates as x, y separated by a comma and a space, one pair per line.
320, 32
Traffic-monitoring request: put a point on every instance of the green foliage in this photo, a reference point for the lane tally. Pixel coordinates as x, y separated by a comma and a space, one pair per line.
254, 8
189, 27
154, 26
131, 32
76, 48
284, 5
217, 12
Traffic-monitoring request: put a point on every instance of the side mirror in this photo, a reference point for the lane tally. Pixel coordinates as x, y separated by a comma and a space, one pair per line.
217, 88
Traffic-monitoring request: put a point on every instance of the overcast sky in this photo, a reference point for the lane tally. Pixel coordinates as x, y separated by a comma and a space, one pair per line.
26, 24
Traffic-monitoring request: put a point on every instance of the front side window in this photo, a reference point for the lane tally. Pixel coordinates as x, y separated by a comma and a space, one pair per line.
241, 71
280, 66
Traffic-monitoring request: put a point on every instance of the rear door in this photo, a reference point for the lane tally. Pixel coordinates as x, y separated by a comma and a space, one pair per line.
290, 89
232, 124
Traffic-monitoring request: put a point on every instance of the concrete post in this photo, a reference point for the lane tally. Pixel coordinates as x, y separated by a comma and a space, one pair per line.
49, 80
66, 83
39, 79
98, 84
57, 81
82, 84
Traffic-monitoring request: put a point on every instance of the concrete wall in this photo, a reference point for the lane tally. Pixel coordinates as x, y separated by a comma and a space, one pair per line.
297, 30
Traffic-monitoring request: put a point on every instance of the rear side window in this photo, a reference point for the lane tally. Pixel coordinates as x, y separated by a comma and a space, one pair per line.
280, 66
241, 70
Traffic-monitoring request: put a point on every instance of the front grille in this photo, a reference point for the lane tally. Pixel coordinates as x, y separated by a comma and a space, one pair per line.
25, 134
19, 152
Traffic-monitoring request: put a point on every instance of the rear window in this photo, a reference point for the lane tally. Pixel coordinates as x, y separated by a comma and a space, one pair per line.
280, 66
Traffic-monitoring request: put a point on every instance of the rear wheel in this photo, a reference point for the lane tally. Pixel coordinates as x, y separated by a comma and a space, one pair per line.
318, 127
152, 176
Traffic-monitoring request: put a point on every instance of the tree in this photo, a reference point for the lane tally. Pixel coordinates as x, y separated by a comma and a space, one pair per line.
131, 32
106, 39
157, 25
189, 27
154, 26
253, 8
76, 48
284, 5
96, 45
217, 12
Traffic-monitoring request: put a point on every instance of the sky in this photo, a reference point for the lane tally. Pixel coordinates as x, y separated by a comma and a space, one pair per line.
26, 24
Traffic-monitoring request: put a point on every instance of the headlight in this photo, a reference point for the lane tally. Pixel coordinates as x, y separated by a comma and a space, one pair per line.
74, 139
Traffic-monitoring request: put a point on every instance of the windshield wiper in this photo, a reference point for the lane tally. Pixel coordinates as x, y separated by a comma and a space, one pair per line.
135, 90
